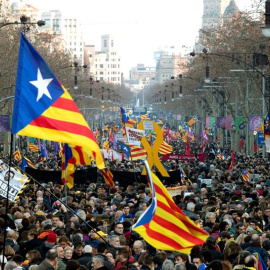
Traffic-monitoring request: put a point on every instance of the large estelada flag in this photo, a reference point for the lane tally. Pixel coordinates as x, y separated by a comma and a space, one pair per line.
163, 225
44, 109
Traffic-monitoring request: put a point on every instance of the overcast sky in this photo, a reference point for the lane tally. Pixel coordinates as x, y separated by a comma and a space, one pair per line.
140, 27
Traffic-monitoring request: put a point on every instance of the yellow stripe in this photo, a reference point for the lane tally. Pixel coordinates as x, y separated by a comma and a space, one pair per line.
88, 145
66, 94
64, 115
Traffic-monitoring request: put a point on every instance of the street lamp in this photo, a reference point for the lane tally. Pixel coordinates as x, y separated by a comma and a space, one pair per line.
76, 68
23, 22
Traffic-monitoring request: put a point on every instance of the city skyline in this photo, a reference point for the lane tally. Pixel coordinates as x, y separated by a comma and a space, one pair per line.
140, 29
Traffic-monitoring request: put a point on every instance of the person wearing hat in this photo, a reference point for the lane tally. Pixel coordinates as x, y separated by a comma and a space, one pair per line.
47, 245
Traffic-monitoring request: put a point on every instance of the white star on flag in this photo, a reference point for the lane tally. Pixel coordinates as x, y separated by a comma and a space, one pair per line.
41, 84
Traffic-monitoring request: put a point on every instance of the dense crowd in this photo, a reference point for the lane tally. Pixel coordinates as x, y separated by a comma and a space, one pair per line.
48, 228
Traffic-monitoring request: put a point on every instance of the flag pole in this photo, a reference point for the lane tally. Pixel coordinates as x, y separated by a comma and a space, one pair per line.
8, 186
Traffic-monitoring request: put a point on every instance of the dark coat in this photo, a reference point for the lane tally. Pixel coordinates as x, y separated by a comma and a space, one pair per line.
45, 265
87, 257
15, 246
264, 254
43, 250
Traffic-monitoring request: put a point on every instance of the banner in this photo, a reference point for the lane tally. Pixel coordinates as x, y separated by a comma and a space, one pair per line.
255, 122
17, 181
148, 125
134, 136
221, 122
240, 122
201, 157
4, 123
178, 117
209, 122
267, 144
230, 124
260, 138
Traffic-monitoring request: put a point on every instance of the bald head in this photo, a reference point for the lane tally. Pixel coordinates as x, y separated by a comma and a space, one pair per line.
255, 239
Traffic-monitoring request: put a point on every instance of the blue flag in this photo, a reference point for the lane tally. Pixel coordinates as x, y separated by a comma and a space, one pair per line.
24, 164
124, 116
125, 148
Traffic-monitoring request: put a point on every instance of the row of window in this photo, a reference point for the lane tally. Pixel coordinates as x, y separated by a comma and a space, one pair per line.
112, 73
112, 79
112, 59
70, 43
112, 66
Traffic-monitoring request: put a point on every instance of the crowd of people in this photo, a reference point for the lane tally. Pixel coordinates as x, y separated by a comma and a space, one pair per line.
49, 228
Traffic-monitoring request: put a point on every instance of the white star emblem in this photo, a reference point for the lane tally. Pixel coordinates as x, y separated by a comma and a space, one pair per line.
41, 84
125, 148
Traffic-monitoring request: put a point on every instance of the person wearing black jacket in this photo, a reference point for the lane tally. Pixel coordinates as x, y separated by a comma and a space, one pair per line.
87, 255
98, 263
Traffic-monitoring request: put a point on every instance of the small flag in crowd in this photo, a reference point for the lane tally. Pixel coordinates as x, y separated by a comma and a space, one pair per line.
125, 148
219, 154
163, 225
27, 163
165, 148
193, 120
17, 153
108, 177
106, 145
145, 117
245, 175
33, 147
232, 161
137, 152
68, 167
44, 153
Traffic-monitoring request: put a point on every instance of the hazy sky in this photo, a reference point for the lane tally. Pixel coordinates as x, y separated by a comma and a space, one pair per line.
140, 27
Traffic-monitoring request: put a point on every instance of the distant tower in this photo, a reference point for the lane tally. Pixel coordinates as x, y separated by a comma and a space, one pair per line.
213, 12
230, 10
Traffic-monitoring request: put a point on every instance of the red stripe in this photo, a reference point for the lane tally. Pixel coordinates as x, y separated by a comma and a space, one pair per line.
65, 104
55, 124
175, 229
163, 238
78, 149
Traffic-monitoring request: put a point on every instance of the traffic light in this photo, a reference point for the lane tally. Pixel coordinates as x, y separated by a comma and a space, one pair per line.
102, 108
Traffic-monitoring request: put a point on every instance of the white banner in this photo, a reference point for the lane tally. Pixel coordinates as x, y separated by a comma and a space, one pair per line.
17, 181
134, 136
267, 144
148, 125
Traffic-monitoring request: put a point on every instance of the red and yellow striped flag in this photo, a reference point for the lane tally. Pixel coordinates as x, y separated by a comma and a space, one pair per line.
163, 225
108, 177
145, 117
30, 163
165, 148
106, 146
193, 120
33, 148
137, 152
17, 155
130, 123
185, 136
245, 175
44, 109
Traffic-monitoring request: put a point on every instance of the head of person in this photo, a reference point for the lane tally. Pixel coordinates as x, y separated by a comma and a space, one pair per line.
52, 257
97, 262
68, 252
197, 261
126, 209
167, 265
121, 254
33, 256
138, 247
210, 217
214, 265
73, 265
251, 261
78, 248
180, 258
60, 252
191, 206
114, 241
119, 228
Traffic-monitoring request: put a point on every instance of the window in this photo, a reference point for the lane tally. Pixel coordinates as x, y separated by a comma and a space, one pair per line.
80, 49
112, 43
105, 43
75, 43
101, 65
101, 72
101, 78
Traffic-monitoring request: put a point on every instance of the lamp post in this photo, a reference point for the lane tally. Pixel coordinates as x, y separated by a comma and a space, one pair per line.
24, 22
76, 68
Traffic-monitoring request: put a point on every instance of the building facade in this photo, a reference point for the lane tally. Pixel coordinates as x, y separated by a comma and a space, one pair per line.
106, 64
